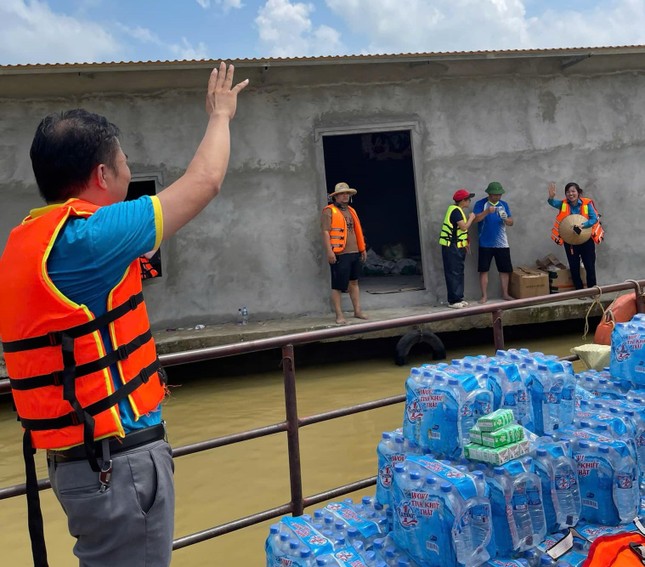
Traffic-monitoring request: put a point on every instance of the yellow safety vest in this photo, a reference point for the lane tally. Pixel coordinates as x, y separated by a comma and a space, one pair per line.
445, 239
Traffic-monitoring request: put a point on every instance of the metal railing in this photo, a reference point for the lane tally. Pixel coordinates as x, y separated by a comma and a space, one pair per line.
293, 422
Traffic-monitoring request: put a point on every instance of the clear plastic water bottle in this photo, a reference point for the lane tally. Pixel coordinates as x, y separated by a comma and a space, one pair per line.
243, 315
534, 501
389, 451
625, 488
418, 397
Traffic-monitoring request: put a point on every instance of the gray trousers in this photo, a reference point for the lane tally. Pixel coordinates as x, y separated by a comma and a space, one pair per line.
131, 523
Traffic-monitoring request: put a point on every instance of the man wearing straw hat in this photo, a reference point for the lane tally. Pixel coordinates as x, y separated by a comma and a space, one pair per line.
344, 246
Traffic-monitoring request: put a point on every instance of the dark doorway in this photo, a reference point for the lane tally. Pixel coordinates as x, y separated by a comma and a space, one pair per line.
379, 166
150, 267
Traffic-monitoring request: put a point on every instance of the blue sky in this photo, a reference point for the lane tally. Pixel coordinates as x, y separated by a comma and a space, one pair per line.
75, 31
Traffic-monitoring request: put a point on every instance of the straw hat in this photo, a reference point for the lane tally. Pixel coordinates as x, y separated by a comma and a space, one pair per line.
342, 187
569, 235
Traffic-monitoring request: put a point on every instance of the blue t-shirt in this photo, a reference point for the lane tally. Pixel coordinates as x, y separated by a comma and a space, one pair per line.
91, 255
492, 229
575, 210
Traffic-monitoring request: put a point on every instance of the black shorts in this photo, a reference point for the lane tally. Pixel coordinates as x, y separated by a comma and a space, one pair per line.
348, 267
502, 260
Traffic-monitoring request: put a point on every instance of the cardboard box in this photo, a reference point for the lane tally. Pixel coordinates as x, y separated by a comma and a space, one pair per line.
560, 279
528, 282
559, 274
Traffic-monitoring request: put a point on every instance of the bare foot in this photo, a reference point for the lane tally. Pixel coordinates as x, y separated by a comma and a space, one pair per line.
508, 297
483, 300
361, 315
341, 321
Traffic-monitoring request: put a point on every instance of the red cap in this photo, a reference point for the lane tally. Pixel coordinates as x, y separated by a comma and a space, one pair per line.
461, 194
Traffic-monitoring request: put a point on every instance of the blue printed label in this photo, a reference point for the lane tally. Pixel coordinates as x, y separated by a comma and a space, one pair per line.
309, 536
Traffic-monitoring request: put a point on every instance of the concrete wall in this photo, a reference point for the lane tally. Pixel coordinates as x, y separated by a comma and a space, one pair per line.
521, 122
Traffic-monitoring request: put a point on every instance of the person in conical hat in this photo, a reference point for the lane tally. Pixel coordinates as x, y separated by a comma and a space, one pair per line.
344, 246
572, 233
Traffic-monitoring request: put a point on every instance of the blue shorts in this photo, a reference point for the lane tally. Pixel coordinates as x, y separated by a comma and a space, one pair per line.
348, 267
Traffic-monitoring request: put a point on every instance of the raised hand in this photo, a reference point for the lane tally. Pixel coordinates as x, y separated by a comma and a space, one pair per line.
552, 190
221, 96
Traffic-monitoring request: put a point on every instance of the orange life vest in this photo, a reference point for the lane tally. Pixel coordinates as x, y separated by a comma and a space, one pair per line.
147, 269
597, 231
54, 350
338, 231
615, 551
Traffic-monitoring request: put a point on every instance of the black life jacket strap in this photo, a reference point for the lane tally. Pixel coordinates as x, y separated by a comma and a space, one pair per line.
97, 407
34, 513
56, 378
54, 338
69, 394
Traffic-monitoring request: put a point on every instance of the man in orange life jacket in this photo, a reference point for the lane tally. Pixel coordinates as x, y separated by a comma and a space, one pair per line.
344, 245
85, 377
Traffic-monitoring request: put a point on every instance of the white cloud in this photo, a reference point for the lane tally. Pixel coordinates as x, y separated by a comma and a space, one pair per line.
182, 50
226, 4
32, 33
286, 30
469, 25
185, 50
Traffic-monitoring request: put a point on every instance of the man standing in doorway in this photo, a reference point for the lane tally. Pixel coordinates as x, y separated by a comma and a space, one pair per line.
493, 216
344, 246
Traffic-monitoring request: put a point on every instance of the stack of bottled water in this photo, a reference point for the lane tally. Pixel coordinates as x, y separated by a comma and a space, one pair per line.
441, 515
608, 476
442, 405
516, 502
558, 475
587, 470
627, 362
391, 450
344, 531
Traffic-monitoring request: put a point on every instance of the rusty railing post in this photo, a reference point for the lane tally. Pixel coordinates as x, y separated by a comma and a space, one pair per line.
498, 329
293, 426
638, 294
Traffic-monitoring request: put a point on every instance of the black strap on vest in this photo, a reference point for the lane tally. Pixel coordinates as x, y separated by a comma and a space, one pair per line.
55, 337
56, 378
97, 407
34, 513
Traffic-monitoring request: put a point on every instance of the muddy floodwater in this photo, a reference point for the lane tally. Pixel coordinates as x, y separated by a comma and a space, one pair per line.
223, 484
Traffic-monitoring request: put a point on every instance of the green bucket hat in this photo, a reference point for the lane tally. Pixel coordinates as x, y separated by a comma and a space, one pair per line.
495, 188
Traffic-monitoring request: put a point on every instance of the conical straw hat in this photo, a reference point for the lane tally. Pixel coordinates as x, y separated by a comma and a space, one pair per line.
568, 234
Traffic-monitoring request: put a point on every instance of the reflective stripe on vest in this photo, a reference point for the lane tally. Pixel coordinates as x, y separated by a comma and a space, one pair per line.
597, 231
54, 349
445, 239
338, 230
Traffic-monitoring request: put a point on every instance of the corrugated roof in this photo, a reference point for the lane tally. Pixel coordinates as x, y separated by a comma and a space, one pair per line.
335, 58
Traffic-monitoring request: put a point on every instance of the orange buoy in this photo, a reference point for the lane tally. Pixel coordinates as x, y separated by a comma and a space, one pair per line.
620, 310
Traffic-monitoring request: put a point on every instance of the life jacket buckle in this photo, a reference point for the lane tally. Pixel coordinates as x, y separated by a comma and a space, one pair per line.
105, 475
145, 375
58, 378
123, 352
133, 302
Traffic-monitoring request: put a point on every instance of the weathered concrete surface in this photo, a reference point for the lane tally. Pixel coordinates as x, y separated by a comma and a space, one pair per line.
182, 339
521, 118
